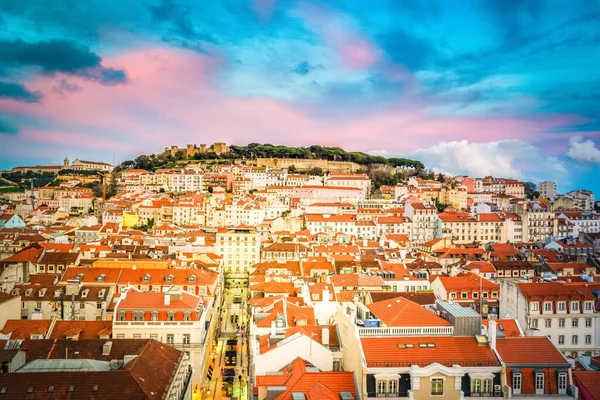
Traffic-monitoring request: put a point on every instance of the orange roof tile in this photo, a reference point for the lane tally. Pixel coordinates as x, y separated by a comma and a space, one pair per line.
529, 350
400, 311
445, 350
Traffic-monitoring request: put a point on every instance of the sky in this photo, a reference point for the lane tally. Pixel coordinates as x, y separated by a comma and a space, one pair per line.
509, 88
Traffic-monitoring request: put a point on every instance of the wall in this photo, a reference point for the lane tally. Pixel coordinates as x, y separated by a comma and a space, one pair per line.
304, 164
424, 391
10, 309
352, 357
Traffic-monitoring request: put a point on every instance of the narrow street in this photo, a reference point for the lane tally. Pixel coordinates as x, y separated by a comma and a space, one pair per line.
228, 369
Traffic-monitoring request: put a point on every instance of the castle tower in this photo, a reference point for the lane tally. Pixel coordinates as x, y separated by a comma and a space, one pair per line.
66, 162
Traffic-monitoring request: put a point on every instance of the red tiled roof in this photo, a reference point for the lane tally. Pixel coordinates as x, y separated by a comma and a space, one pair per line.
23, 329
529, 350
446, 350
588, 383
403, 312
508, 327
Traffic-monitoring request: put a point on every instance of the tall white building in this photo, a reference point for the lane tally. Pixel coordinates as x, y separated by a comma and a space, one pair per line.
239, 247
547, 189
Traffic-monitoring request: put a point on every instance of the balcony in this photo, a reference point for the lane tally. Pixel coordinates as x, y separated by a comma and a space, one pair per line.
407, 331
158, 323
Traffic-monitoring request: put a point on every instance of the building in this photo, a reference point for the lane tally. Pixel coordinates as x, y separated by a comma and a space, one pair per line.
81, 165
547, 189
584, 198
240, 248
176, 318
535, 367
99, 369
565, 314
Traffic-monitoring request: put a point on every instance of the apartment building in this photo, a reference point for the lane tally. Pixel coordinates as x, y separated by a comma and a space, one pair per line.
240, 248
566, 315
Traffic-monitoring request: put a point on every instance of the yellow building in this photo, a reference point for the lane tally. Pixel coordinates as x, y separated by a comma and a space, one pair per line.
130, 219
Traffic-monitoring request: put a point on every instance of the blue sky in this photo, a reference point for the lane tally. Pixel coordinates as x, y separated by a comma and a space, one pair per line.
509, 88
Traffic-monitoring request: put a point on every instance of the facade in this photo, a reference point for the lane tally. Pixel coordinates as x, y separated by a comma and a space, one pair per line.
547, 189
240, 248
175, 317
566, 315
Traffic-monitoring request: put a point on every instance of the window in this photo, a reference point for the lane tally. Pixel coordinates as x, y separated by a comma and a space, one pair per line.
547, 306
539, 383
561, 339
154, 316
574, 339
463, 295
487, 386
534, 306
393, 386
121, 316
170, 338
562, 383
453, 295
588, 306
171, 316
477, 386
485, 295
120, 336
562, 306
437, 387
588, 339
575, 322
561, 323
475, 295
548, 323
137, 336
154, 336
534, 323
574, 306
99, 306
381, 387
588, 322
186, 339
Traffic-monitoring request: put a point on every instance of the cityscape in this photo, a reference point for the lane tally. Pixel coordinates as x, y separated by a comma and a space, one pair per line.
299, 200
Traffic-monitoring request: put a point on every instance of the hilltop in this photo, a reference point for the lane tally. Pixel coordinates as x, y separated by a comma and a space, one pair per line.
256, 150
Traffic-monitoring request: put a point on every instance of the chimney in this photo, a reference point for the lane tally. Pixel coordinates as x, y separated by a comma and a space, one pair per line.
492, 334
167, 299
326, 297
106, 347
325, 336
273, 329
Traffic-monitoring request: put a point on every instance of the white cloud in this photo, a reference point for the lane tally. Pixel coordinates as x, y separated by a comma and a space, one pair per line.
583, 150
380, 152
506, 158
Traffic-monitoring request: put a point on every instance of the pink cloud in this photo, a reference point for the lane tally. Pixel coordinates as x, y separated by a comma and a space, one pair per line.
170, 99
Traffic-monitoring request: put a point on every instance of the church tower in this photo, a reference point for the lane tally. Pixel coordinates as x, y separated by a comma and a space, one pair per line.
66, 163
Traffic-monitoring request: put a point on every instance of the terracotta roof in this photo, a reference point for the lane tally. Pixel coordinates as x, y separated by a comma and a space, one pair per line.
356, 280
445, 350
468, 281
139, 379
508, 327
423, 298
402, 312
23, 329
314, 385
588, 383
155, 300
81, 329
529, 350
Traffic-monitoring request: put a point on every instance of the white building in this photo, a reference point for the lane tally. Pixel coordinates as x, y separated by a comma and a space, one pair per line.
547, 189
562, 312
239, 247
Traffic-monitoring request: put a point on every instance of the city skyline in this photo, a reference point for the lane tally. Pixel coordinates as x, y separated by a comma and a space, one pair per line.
480, 88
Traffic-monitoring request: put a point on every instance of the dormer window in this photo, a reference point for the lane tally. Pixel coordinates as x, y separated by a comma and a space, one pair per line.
146, 278
562, 306
101, 277
575, 306
535, 306
547, 306
589, 306
192, 278
169, 278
